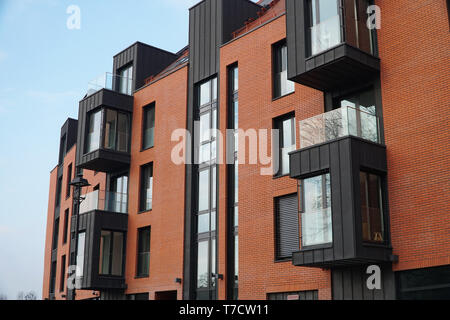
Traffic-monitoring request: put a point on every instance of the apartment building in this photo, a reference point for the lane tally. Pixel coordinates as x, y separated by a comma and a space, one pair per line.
353, 204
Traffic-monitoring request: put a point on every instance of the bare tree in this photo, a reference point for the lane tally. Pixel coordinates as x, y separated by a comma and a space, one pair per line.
31, 295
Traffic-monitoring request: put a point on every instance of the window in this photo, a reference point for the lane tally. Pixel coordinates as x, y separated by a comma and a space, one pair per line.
149, 127
116, 131
286, 219
118, 196
146, 193
66, 226
324, 25
80, 254
281, 85
62, 148
55, 234
143, 255
371, 207
316, 211
111, 253
126, 80
93, 134
63, 274
58, 191
287, 142
52, 278
69, 179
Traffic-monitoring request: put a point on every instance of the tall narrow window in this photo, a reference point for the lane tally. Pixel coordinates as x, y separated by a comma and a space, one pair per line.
66, 226
146, 193
148, 127
58, 191
111, 253
143, 255
80, 254
281, 85
69, 179
287, 142
316, 211
93, 132
118, 196
324, 25
62, 148
53, 278
371, 207
126, 80
63, 274
206, 180
117, 128
55, 234
287, 235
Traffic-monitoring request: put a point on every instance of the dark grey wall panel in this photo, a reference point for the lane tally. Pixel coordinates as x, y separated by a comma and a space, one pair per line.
351, 284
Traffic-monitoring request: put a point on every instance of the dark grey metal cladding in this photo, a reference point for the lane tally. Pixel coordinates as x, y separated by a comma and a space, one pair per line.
211, 24
146, 60
340, 66
101, 160
343, 159
350, 283
93, 223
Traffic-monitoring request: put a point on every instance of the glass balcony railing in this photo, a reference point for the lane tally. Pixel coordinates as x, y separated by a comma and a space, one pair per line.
346, 121
105, 201
325, 35
112, 82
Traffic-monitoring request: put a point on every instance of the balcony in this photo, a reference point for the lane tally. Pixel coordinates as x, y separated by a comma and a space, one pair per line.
105, 201
340, 152
112, 82
330, 47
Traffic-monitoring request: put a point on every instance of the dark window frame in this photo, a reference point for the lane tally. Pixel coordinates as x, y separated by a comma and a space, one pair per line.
148, 108
277, 68
66, 225
278, 125
139, 251
142, 187
69, 179
111, 253
62, 281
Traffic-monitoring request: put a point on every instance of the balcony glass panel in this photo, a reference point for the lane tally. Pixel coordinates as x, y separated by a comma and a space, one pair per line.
105, 201
113, 82
339, 123
325, 26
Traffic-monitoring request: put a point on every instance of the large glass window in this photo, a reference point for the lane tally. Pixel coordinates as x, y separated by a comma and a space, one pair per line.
80, 254
286, 127
143, 255
146, 192
356, 32
93, 134
118, 196
324, 25
316, 216
126, 80
148, 127
116, 131
281, 85
371, 207
111, 253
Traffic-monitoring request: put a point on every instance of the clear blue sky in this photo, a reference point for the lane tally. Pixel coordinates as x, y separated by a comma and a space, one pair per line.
44, 72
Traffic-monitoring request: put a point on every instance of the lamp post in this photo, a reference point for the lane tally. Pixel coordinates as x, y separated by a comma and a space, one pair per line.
78, 184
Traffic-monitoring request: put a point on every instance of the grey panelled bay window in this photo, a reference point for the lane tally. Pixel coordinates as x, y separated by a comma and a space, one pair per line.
111, 253
371, 208
148, 139
286, 217
146, 192
126, 80
287, 142
143, 255
281, 85
316, 216
117, 131
324, 25
93, 132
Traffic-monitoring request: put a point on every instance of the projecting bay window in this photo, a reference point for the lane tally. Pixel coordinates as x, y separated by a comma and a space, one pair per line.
148, 127
111, 253
316, 219
146, 192
143, 254
330, 24
371, 208
287, 142
281, 85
